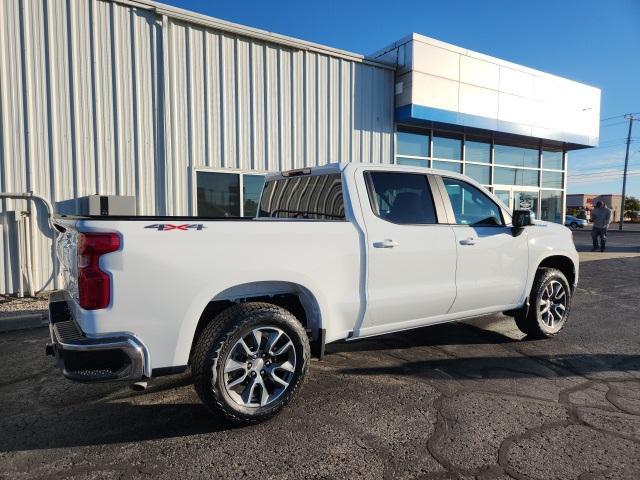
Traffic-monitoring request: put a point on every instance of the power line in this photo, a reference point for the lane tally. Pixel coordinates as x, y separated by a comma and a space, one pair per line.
618, 116
602, 178
612, 178
612, 124
606, 171
601, 167
611, 118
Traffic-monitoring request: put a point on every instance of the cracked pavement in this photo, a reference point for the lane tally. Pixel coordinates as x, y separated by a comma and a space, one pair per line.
456, 401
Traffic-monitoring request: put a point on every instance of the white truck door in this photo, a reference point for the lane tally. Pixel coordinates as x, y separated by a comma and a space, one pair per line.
492, 265
410, 257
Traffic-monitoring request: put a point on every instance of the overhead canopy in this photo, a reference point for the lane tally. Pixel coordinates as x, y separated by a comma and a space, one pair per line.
441, 84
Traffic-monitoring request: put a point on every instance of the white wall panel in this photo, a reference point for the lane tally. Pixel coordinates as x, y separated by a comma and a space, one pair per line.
446, 77
436, 92
107, 98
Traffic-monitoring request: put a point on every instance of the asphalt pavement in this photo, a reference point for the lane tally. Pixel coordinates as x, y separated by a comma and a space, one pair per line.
470, 400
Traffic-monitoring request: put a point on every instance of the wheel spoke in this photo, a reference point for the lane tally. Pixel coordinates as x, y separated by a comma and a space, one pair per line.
247, 393
264, 394
286, 366
245, 347
237, 381
283, 349
233, 365
257, 337
272, 340
278, 380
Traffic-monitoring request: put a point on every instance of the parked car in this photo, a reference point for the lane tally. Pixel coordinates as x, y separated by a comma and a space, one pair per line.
574, 222
339, 252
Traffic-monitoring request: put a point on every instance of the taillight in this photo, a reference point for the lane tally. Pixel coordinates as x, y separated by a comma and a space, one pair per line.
94, 285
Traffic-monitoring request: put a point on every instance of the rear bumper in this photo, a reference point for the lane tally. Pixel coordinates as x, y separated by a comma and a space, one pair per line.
85, 358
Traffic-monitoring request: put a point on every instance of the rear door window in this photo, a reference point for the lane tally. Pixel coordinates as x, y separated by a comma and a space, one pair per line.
403, 198
317, 197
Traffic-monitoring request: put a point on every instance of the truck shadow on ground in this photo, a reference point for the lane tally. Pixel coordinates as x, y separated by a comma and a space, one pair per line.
510, 367
170, 409
430, 336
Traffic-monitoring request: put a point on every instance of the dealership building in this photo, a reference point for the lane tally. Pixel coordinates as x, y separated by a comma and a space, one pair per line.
181, 114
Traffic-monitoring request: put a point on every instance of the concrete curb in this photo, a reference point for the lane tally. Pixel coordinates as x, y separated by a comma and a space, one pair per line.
23, 321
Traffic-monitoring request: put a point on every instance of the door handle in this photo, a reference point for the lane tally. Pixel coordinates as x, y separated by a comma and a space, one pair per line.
468, 241
386, 243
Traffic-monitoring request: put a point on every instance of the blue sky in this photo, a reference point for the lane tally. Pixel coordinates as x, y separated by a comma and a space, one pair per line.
594, 42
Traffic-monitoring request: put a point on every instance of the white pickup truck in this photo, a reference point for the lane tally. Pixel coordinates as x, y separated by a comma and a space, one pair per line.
342, 251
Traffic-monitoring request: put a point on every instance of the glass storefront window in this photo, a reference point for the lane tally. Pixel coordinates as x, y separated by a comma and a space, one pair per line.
480, 173
477, 151
552, 160
515, 156
449, 166
218, 194
251, 189
515, 176
552, 179
447, 147
413, 144
412, 162
551, 205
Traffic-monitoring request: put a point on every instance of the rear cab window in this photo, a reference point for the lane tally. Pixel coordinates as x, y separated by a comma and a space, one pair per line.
308, 197
402, 198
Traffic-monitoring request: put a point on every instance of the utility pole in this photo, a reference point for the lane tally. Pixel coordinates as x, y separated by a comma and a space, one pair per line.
626, 165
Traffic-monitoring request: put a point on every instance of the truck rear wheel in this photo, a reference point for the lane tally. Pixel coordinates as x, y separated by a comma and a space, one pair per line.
250, 362
549, 305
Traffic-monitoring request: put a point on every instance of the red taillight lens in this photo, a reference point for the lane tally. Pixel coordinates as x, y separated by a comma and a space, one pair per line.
94, 285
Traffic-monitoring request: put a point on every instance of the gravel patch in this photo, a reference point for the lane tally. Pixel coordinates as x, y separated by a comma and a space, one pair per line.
13, 306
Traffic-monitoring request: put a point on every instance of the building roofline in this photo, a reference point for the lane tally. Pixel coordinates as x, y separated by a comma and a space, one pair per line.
238, 29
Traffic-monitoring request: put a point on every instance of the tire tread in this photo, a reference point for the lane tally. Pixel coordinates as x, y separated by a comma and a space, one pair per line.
208, 351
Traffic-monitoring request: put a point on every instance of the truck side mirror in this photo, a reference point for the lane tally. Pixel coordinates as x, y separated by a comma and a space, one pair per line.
521, 219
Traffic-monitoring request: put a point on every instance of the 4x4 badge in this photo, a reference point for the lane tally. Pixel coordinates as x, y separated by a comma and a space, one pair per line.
164, 227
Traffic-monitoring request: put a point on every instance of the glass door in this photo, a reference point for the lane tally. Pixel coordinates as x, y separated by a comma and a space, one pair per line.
525, 200
519, 198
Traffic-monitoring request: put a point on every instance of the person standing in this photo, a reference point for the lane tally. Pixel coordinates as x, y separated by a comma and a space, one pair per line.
601, 217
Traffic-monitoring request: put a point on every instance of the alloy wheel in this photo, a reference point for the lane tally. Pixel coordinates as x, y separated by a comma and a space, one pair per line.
553, 304
259, 367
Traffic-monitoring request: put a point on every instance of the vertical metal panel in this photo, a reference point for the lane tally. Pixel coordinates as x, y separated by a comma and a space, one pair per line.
103, 97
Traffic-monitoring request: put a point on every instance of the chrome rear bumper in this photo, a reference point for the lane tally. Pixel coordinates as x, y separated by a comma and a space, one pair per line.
86, 358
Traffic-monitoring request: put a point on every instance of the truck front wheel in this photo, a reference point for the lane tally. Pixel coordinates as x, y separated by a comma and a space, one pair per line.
549, 304
250, 362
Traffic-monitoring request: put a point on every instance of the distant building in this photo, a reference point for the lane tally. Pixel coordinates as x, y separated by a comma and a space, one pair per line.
583, 203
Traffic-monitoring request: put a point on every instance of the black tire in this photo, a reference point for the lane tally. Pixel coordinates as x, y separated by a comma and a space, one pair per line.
531, 321
573, 225
214, 346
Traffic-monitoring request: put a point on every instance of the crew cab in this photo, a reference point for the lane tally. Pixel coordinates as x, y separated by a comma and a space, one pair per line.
338, 252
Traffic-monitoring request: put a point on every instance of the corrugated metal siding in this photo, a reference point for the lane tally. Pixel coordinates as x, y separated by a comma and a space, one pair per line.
104, 97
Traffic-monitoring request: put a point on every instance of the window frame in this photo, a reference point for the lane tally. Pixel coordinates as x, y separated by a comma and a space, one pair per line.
230, 171
449, 207
431, 187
